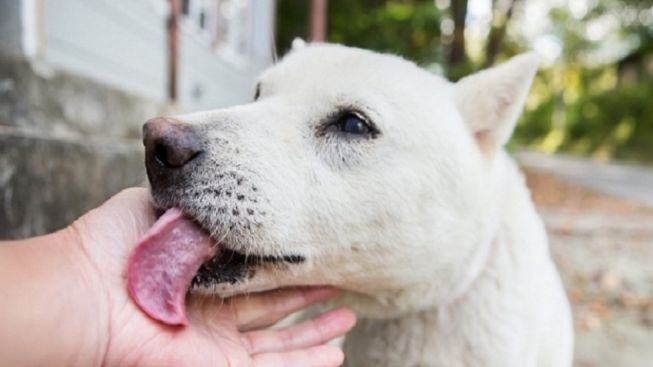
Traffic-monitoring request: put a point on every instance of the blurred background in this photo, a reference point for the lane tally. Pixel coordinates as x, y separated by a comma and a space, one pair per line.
79, 77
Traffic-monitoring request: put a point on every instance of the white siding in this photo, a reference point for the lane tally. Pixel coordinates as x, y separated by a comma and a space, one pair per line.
10, 27
124, 44
262, 31
121, 43
207, 81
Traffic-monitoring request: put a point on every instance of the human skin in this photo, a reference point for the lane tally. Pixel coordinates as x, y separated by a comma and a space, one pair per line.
64, 302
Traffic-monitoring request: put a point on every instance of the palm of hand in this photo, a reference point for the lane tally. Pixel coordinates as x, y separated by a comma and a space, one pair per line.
229, 334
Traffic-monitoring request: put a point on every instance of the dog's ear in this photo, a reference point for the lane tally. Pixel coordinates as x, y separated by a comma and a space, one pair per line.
297, 44
491, 100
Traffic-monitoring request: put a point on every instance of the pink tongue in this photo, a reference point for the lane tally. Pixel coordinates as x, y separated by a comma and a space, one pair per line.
163, 264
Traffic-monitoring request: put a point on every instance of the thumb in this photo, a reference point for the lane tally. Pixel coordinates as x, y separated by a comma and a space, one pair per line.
110, 231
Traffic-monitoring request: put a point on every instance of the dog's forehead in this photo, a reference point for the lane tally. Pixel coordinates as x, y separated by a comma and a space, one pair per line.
347, 68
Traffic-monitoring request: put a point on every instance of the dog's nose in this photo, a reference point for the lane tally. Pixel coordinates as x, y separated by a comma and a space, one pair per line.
169, 144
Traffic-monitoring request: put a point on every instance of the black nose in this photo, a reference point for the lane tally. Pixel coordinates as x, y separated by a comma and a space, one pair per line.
169, 144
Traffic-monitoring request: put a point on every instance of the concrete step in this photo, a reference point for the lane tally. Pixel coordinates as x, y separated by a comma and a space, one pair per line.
46, 183
33, 96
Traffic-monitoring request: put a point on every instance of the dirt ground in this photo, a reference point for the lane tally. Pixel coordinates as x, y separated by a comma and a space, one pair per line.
604, 248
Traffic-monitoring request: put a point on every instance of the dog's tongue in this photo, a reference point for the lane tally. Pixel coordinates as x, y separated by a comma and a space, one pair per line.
163, 264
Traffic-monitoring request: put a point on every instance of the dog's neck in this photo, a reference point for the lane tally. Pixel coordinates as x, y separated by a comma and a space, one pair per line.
480, 324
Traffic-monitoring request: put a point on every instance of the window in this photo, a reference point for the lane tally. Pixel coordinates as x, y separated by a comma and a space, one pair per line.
222, 25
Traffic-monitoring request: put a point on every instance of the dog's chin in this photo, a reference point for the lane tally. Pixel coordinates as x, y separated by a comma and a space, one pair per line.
260, 278
230, 271
226, 290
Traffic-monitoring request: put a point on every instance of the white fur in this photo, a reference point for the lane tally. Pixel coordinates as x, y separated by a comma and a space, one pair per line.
428, 227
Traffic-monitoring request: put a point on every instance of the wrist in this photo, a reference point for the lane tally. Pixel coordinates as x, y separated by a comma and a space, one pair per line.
90, 303
53, 312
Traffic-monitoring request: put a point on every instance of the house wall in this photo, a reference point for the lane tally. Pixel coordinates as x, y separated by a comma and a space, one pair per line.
208, 81
10, 27
77, 80
124, 44
120, 43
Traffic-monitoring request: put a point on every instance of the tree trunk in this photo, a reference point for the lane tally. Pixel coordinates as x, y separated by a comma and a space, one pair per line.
500, 20
458, 55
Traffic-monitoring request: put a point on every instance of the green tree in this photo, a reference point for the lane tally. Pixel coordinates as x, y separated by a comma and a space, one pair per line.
408, 28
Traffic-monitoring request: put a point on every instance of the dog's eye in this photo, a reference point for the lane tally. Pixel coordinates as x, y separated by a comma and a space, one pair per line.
349, 124
352, 124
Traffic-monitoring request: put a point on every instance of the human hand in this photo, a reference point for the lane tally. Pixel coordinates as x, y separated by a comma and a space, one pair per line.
107, 328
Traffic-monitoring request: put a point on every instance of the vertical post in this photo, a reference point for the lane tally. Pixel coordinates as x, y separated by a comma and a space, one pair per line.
318, 20
173, 45
32, 17
41, 16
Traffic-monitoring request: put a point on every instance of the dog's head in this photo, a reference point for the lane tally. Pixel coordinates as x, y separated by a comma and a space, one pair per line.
349, 168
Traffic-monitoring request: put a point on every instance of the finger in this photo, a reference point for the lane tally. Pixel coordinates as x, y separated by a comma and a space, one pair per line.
320, 356
309, 333
264, 309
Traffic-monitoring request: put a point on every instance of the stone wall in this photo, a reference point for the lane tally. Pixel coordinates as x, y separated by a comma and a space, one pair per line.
66, 144
46, 183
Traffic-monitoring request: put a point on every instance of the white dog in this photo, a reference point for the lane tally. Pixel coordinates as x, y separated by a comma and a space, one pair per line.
363, 171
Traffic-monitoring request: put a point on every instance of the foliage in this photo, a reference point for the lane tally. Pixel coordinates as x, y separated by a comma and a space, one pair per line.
407, 28
596, 116
598, 108
411, 29
292, 21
